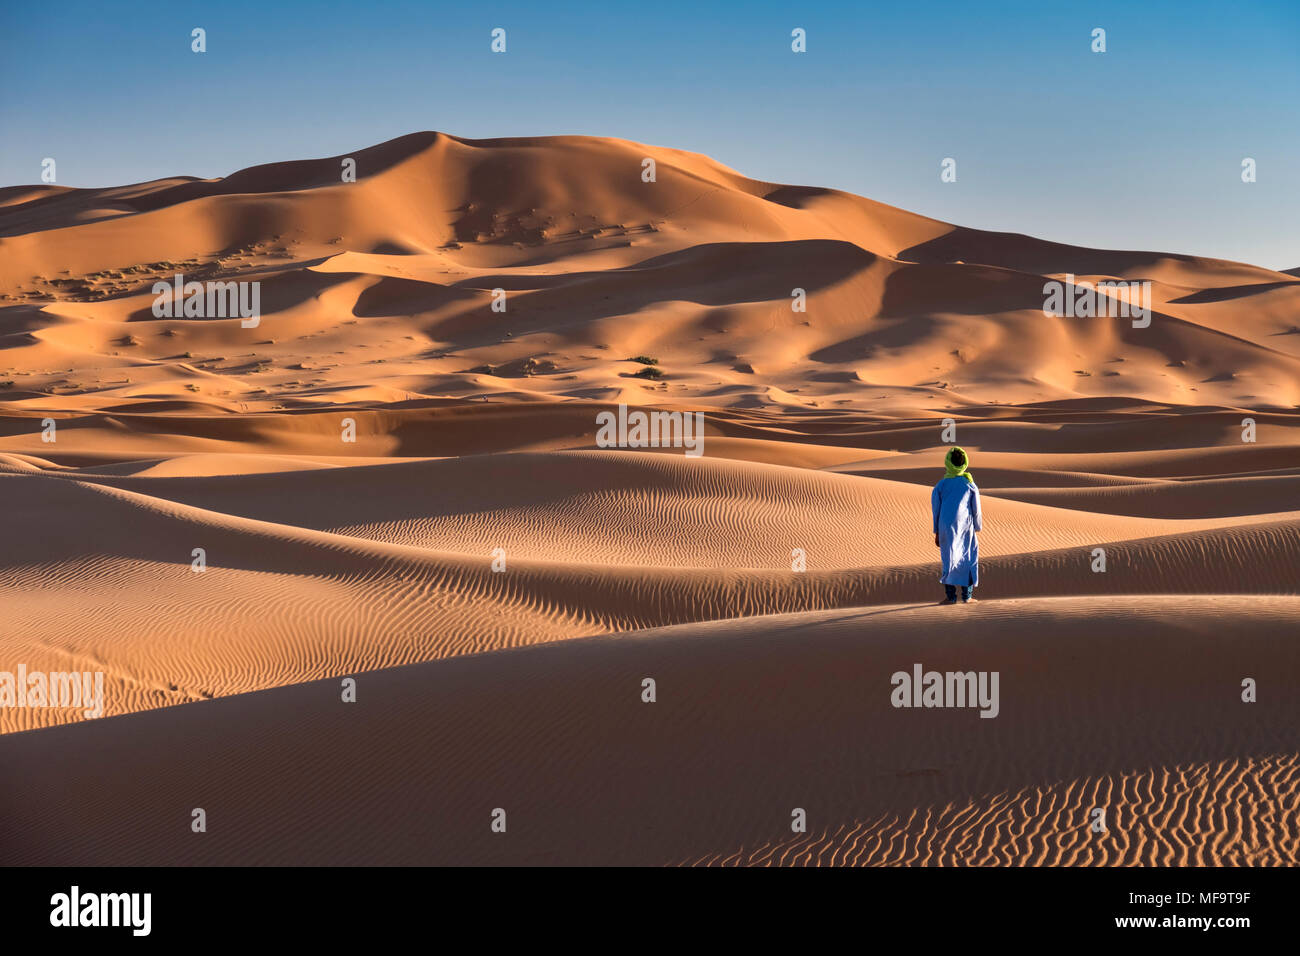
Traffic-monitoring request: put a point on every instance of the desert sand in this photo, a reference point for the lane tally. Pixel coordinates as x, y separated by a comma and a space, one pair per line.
499, 586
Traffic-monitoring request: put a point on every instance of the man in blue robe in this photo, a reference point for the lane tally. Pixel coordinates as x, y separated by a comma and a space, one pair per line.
955, 503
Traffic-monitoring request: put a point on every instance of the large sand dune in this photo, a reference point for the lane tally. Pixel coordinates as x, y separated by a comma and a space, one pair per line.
1125, 704
770, 586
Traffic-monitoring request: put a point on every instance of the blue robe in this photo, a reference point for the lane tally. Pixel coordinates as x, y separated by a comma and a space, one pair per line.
955, 503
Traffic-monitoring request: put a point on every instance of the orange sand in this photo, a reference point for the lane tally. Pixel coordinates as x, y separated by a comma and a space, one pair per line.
475, 431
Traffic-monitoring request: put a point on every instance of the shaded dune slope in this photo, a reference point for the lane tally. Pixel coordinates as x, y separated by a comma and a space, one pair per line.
753, 719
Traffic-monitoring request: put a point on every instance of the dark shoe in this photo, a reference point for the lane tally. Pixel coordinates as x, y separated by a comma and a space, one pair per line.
951, 591
948, 600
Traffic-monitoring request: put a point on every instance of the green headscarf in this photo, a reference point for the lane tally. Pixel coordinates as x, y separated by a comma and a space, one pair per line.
952, 471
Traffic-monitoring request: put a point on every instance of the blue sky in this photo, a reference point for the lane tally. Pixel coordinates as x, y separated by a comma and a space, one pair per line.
1137, 148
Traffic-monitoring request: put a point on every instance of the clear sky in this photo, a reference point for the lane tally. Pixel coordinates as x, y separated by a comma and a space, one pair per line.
1139, 147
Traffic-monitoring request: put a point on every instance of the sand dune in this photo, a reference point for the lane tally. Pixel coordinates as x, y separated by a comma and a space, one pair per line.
753, 719
386, 285
351, 568
385, 478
